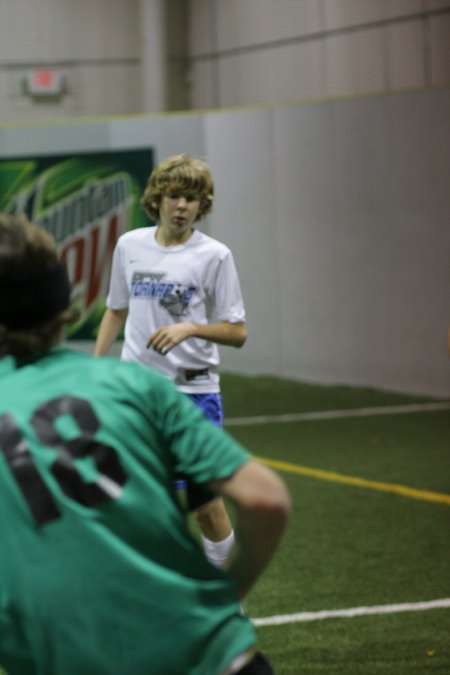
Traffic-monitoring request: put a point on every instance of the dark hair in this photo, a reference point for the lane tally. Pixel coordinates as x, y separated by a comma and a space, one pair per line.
28, 252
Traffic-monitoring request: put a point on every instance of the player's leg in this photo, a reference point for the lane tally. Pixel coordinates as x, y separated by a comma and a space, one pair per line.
217, 531
212, 518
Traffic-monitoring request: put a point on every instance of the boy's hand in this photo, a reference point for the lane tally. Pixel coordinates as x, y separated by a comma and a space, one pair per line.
167, 337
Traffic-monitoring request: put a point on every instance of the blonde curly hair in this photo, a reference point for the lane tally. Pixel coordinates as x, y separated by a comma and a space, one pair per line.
179, 173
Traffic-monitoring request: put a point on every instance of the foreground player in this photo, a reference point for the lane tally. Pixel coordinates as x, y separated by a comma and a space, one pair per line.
99, 574
169, 283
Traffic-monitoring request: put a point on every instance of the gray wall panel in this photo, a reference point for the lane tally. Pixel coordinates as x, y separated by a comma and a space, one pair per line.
241, 152
338, 216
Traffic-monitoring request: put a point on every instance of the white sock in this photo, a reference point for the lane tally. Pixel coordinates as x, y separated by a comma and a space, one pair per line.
218, 551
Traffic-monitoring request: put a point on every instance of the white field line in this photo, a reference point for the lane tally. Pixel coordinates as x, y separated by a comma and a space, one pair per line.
337, 414
354, 611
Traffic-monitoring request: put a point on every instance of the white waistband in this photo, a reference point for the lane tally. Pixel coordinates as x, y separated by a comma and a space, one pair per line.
239, 661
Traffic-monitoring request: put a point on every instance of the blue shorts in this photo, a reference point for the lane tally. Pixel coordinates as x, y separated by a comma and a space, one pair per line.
212, 407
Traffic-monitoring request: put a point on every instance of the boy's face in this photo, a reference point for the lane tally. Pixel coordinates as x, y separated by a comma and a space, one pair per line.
178, 211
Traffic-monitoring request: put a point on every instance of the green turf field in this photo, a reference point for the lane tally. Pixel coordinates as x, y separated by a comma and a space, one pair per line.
370, 528
371, 543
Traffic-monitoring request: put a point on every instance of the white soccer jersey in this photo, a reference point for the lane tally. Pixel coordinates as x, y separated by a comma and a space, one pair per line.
196, 281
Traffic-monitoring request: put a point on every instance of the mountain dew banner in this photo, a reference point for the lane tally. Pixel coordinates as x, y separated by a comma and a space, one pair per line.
85, 202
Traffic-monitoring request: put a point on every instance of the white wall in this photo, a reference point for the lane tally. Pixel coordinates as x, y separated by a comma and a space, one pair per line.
254, 51
132, 56
338, 216
96, 46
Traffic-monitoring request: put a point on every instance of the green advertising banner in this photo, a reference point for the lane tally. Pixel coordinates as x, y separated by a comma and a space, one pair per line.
85, 202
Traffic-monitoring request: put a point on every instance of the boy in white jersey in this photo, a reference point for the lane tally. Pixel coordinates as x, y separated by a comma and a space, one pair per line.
178, 293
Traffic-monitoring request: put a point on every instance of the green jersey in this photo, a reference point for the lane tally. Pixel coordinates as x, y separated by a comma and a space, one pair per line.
99, 573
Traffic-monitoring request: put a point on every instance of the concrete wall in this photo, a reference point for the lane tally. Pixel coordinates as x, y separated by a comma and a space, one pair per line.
256, 51
96, 46
123, 57
338, 216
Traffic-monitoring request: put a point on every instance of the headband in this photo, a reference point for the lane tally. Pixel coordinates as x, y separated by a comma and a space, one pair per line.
28, 300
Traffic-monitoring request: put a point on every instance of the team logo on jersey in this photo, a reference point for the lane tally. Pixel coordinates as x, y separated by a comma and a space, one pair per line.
173, 296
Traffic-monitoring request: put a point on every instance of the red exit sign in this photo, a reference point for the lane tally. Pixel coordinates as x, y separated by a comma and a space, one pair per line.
44, 82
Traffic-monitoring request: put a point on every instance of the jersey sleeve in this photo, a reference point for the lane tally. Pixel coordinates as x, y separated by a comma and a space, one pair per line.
228, 301
118, 295
198, 448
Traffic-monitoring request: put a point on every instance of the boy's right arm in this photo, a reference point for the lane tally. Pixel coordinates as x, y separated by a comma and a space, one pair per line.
110, 327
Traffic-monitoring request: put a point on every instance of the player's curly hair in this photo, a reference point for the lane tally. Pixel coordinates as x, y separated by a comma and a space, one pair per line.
179, 173
27, 249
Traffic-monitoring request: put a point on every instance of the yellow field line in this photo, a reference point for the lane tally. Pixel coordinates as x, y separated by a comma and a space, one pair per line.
402, 490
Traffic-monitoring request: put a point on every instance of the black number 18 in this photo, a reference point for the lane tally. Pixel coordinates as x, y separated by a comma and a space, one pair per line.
111, 478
